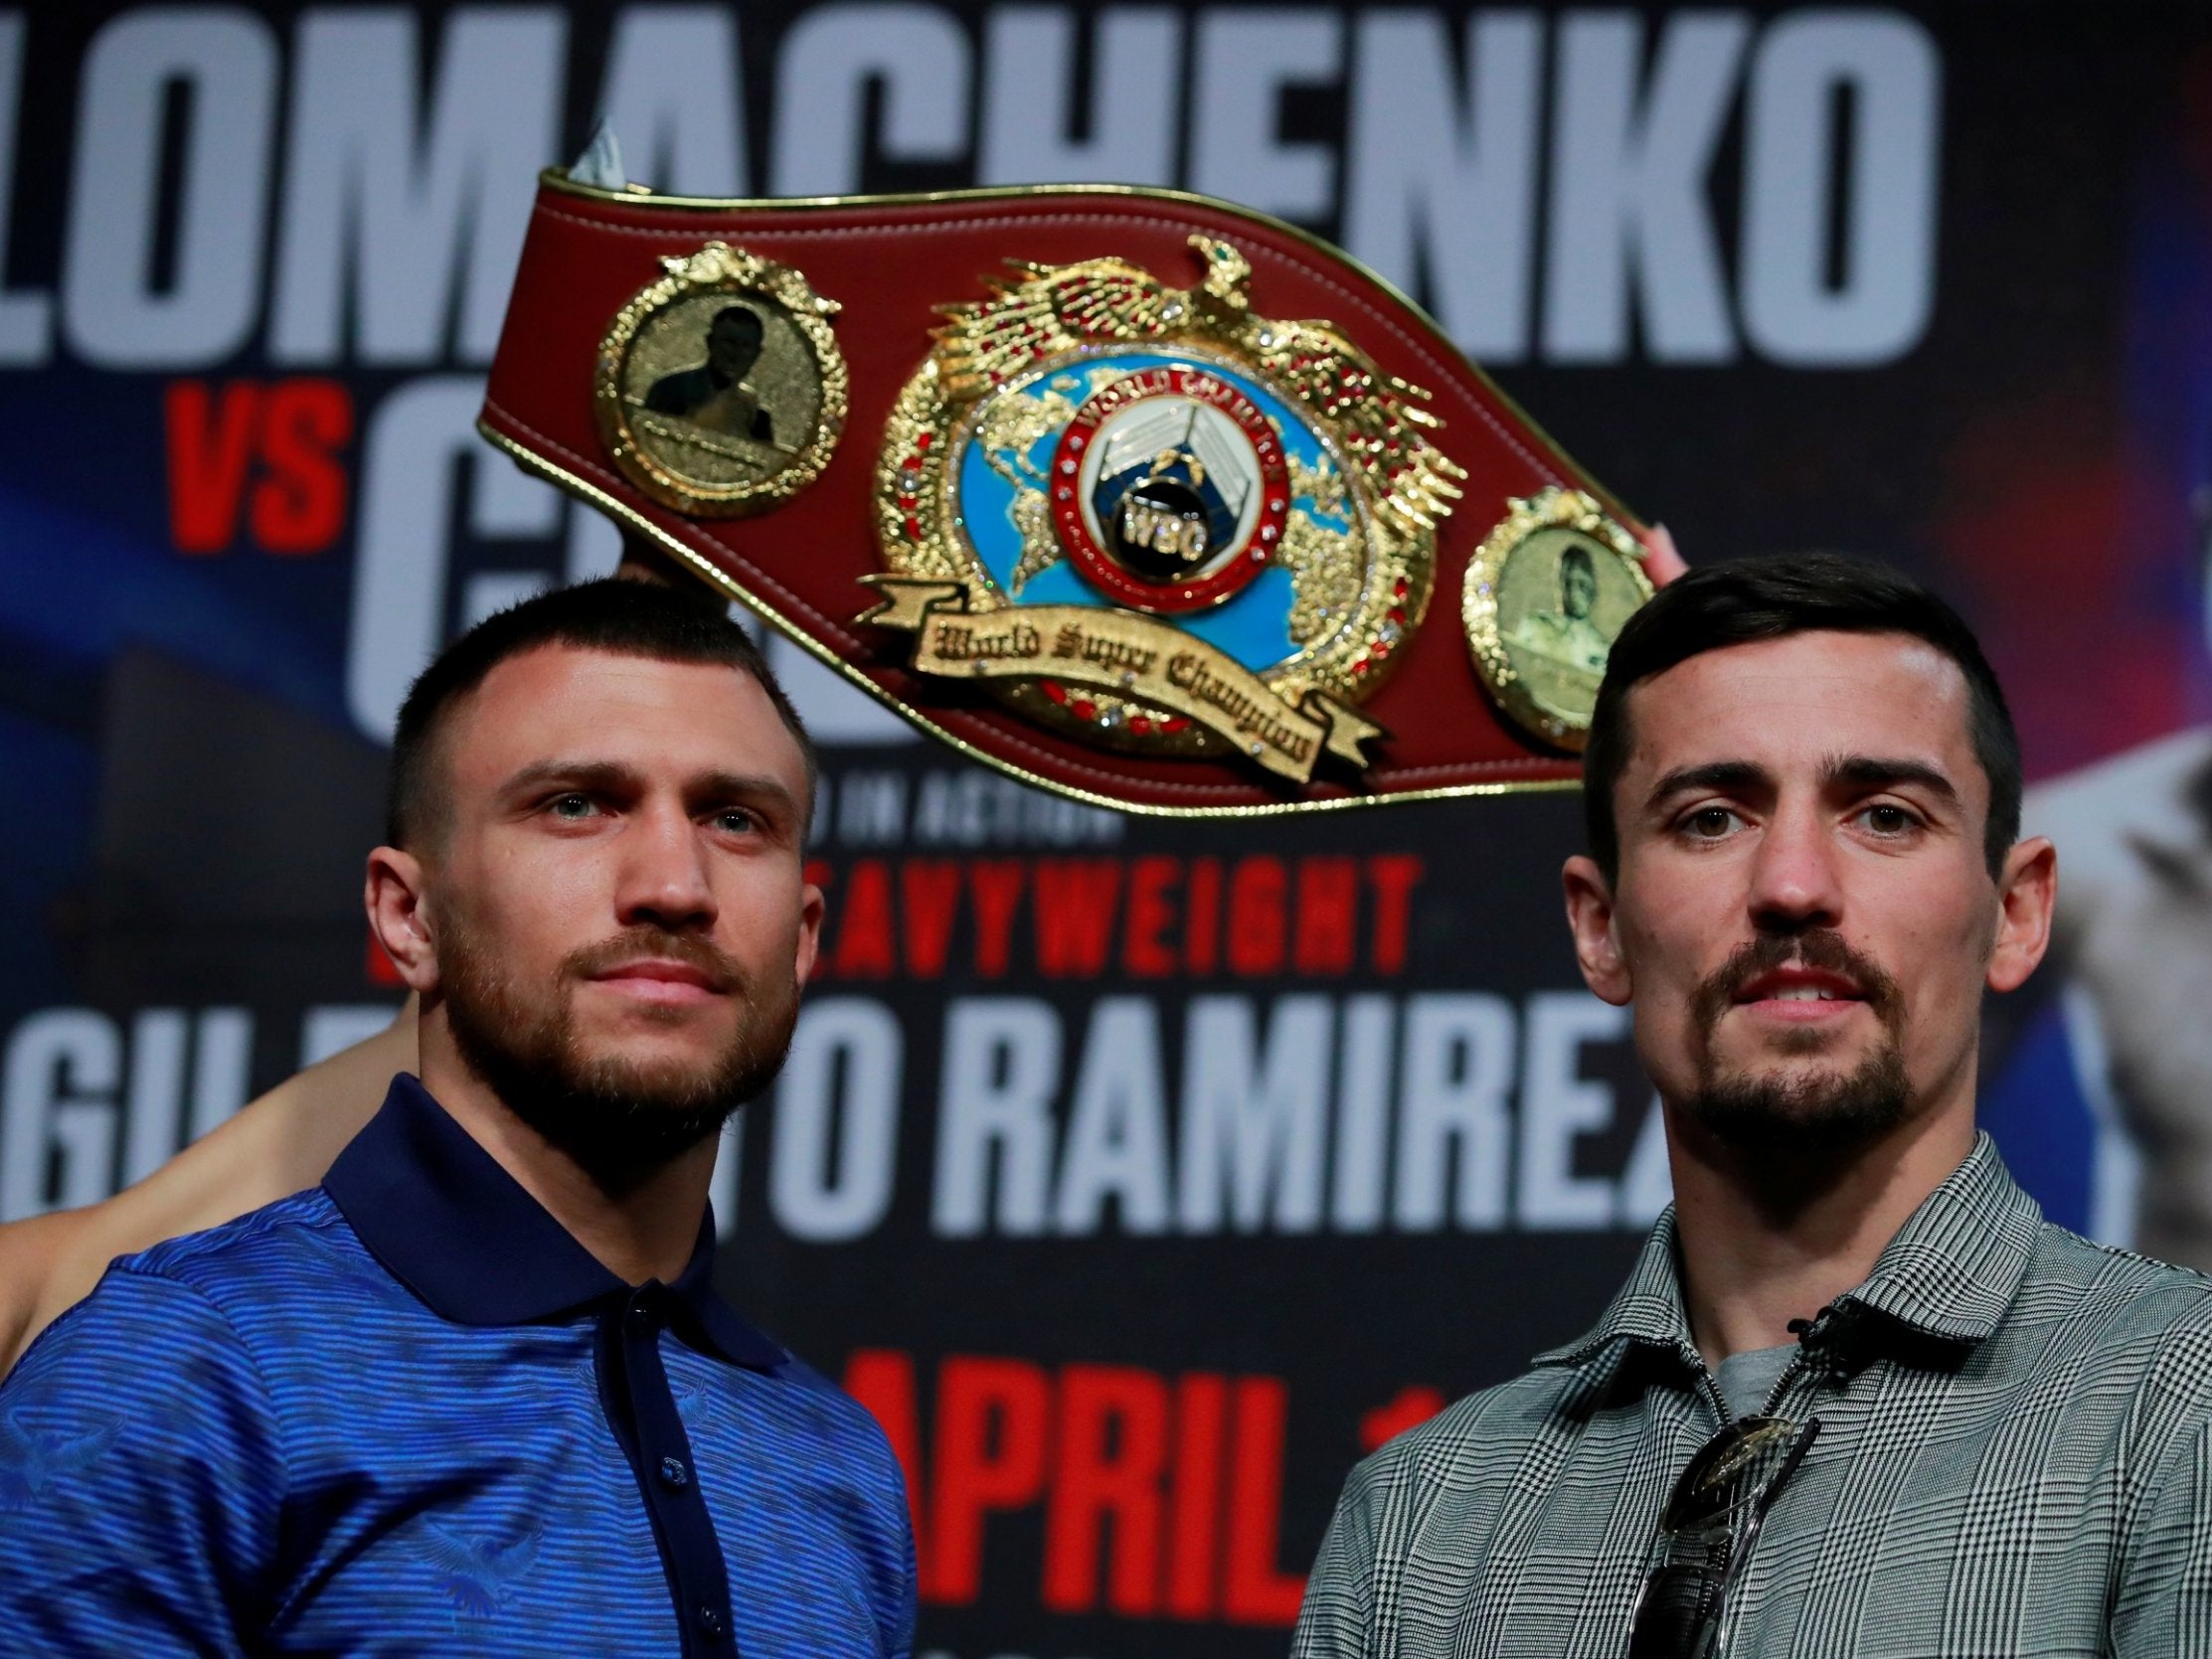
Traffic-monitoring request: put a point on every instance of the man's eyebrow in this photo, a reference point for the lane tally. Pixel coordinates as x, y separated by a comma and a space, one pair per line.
590, 774
1734, 776
1877, 772
612, 775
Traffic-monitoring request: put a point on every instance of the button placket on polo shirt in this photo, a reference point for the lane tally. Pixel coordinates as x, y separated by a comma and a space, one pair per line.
661, 1459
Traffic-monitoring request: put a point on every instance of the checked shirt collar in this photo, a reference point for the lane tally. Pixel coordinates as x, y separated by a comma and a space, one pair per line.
1949, 1276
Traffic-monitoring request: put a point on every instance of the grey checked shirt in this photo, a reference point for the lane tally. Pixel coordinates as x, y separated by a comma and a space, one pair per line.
2016, 1458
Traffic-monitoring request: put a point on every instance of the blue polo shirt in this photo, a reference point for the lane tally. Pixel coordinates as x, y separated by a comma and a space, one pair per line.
407, 1412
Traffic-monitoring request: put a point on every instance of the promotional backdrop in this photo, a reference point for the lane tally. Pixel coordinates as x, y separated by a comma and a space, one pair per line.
1139, 1174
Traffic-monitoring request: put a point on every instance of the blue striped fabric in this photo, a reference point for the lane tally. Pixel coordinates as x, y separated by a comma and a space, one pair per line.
258, 1440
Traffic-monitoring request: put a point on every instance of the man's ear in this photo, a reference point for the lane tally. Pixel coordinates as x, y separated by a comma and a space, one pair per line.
394, 895
2027, 894
811, 907
1589, 920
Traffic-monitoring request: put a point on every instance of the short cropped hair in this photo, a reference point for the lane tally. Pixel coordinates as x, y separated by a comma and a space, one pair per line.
615, 614
1718, 606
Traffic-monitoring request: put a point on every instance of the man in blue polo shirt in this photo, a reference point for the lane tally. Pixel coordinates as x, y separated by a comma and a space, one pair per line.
475, 1393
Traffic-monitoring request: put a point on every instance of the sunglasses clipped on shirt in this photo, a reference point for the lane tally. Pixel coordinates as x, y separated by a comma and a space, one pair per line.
1707, 1530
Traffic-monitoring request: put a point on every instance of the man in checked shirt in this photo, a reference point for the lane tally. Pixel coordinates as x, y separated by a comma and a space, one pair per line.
1856, 1397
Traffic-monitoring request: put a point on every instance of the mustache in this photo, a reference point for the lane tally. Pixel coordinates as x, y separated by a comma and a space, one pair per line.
722, 973
1815, 947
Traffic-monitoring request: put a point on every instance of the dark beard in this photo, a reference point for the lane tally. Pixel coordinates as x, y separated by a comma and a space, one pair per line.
618, 1120
1824, 1112
1806, 1114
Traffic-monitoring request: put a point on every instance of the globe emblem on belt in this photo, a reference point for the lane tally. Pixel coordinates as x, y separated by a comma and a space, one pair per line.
1157, 521
1171, 489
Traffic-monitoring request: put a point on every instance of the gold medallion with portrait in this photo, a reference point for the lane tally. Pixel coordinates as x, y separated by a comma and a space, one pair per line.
720, 387
1546, 595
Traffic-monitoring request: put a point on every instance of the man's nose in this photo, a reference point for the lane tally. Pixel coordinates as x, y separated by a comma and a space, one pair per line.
663, 877
1794, 882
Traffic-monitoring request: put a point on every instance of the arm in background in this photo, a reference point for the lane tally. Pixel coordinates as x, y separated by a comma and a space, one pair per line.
277, 1144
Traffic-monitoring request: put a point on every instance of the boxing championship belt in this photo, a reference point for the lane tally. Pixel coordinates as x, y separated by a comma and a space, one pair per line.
1137, 496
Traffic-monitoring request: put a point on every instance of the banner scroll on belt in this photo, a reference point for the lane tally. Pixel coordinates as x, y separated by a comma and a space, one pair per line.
1120, 655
